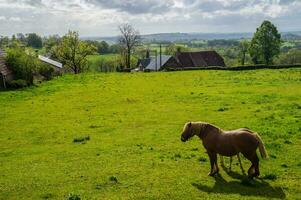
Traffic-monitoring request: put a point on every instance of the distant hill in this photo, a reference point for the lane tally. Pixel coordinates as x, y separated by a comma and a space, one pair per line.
177, 37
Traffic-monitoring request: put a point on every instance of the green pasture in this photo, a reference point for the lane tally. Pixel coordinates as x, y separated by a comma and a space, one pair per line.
117, 135
95, 60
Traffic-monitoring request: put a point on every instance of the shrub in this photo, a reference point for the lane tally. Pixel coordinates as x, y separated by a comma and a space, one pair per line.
270, 176
21, 64
81, 139
46, 71
72, 196
16, 84
113, 179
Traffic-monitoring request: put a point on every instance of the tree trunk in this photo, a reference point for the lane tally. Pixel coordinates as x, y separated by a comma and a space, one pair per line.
129, 59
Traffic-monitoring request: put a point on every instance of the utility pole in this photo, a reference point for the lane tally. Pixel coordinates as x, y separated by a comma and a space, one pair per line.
156, 61
160, 56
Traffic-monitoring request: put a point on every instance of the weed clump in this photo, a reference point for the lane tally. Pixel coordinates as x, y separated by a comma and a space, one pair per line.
202, 159
72, 196
81, 139
222, 109
113, 179
284, 166
270, 177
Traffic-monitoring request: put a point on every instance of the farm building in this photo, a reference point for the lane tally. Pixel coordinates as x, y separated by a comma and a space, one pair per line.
199, 59
181, 60
56, 65
5, 73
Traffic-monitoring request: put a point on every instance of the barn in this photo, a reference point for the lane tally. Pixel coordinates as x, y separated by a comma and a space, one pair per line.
5, 73
199, 59
181, 60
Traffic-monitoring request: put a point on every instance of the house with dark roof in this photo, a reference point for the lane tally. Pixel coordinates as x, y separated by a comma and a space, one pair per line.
181, 60
5, 73
199, 59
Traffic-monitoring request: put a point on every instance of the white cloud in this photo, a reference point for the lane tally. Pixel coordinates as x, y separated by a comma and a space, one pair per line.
101, 17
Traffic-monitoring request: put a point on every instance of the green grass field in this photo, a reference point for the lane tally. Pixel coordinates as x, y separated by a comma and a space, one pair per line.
117, 136
94, 60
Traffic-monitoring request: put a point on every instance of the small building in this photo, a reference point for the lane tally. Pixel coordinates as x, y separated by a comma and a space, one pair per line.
156, 63
5, 73
56, 65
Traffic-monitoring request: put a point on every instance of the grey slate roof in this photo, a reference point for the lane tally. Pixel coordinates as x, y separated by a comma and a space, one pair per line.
51, 62
155, 63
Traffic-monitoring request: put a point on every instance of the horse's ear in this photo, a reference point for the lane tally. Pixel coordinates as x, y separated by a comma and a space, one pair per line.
189, 124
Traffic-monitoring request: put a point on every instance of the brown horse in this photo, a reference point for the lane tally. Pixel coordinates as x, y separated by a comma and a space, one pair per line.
227, 143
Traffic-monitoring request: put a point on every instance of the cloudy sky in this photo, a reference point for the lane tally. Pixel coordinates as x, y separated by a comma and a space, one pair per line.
102, 17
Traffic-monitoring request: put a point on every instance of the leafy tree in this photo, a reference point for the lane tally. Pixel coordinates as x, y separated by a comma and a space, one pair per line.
22, 64
22, 39
4, 42
128, 40
33, 40
172, 49
73, 52
50, 42
102, 47
243, 49
293, 56
265, 44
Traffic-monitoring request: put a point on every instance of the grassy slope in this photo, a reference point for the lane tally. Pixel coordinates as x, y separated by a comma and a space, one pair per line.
95, 59
134, 123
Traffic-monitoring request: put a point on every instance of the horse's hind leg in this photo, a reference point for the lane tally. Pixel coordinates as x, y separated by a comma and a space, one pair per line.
255, 161
254, 169
242, 169
230, 167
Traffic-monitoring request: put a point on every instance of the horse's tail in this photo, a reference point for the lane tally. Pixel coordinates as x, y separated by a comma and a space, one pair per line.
262, 150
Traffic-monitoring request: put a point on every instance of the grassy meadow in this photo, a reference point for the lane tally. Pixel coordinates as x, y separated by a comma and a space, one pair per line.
117, 136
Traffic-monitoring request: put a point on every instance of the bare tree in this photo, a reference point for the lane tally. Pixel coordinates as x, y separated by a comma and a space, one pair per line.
128, 40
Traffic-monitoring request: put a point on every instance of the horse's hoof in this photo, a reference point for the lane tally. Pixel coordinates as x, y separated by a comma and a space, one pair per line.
210, 174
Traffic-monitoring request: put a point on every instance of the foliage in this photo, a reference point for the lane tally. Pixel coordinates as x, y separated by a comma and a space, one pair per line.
73, 52
46, 71
243, 49
22, 65
265, 44
34, 40
223, 42
4, 42
293, 56
128, 40
134, 121
51, 42
172, 49
16, 84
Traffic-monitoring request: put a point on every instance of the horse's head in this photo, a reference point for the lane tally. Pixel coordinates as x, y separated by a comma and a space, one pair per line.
187, 132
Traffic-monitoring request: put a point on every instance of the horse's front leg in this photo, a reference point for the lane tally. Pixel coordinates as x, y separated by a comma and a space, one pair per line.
213, 163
